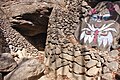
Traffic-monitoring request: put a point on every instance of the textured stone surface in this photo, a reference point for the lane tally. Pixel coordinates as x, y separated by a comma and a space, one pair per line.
77, 68
113, 66
92, 71
88, 78
27, 69
7, 63
79, 60
114, 53
99, 64
60, 32
106, 69
87, 57
107, 76
91, 63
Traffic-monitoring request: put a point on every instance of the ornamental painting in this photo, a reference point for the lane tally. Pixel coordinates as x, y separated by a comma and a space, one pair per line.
101, 27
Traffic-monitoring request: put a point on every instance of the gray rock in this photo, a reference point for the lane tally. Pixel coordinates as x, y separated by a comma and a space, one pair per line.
7, 63
110, 59
106, 69
28, 69
99, 64
58, 50
87, 58
113, 66
92, 71
114, 53
107, 76
91, 63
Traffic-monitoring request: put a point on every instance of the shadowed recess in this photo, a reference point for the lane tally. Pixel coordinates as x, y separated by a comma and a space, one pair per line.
33, 26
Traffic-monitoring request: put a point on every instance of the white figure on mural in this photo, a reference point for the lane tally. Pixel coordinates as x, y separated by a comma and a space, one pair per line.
100, 26
101, 36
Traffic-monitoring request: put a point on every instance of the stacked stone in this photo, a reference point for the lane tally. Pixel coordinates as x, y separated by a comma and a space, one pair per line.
16, 42
3, 47
101, 64
70, 60
60, 52
66, 58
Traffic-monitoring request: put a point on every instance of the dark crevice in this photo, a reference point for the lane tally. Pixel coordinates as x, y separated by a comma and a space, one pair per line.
119, 41
117, 77
33, 26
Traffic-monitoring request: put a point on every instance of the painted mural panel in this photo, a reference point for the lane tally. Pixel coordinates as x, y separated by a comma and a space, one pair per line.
101, 27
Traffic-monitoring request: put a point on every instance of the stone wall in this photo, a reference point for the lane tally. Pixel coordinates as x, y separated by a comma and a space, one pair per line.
67, 57
22, 25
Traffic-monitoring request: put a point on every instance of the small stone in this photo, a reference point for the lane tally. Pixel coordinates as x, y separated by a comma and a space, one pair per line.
10, 46
19, 53
77, 68
113, 66
66, 56
114, 53
107, 76
84, 3
58, 63
99, 64
106, 69
63, 70
7, 63
110, 59
91, 63
16, 59
58, 50
80, 60
77, 53
24, 51
93, 56
80, 77
87, 57
102, 60
92, 71
87, 53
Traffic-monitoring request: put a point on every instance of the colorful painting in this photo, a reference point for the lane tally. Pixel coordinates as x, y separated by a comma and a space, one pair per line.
101, 26
100, 36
